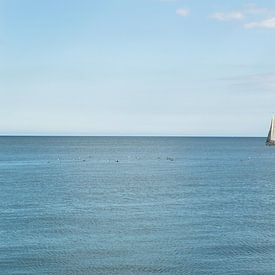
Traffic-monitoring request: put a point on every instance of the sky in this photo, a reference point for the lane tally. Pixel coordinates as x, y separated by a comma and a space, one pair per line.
137, 67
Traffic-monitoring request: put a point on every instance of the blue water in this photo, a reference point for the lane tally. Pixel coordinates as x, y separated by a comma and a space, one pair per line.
120, 205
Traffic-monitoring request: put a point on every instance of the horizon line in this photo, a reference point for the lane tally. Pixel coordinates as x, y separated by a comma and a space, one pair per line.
175, 136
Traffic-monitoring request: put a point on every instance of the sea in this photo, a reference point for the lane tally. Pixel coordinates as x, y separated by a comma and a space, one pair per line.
136, 205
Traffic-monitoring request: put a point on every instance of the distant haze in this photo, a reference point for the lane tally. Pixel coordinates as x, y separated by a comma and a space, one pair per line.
141, 67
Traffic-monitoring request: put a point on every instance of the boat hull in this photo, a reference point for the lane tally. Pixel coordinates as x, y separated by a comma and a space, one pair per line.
270, 143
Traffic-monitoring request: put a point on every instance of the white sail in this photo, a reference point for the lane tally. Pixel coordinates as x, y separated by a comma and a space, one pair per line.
271, 134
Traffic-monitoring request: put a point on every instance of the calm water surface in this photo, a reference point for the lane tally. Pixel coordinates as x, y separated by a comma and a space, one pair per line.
109, 205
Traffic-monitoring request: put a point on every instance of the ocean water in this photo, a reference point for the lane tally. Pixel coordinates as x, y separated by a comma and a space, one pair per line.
136, 205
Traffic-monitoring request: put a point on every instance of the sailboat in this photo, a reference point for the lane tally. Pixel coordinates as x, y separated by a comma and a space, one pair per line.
271, 134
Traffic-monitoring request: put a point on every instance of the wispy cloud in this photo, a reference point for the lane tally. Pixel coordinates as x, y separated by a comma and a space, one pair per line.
256, 82
228, 16
252, 9
267, 23
183, 12
251, 14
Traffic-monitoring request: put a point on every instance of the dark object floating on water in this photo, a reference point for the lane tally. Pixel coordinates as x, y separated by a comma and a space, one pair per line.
169, 158
117, 160
271, 134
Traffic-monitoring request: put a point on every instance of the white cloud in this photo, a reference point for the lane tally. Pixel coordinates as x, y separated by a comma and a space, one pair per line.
254, 16
267, 23
182, 12
228, 16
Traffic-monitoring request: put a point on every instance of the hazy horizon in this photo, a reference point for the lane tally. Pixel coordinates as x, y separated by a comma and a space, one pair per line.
102, 135
137, 68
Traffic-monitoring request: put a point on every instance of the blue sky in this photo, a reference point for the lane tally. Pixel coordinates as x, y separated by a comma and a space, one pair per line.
146, 67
